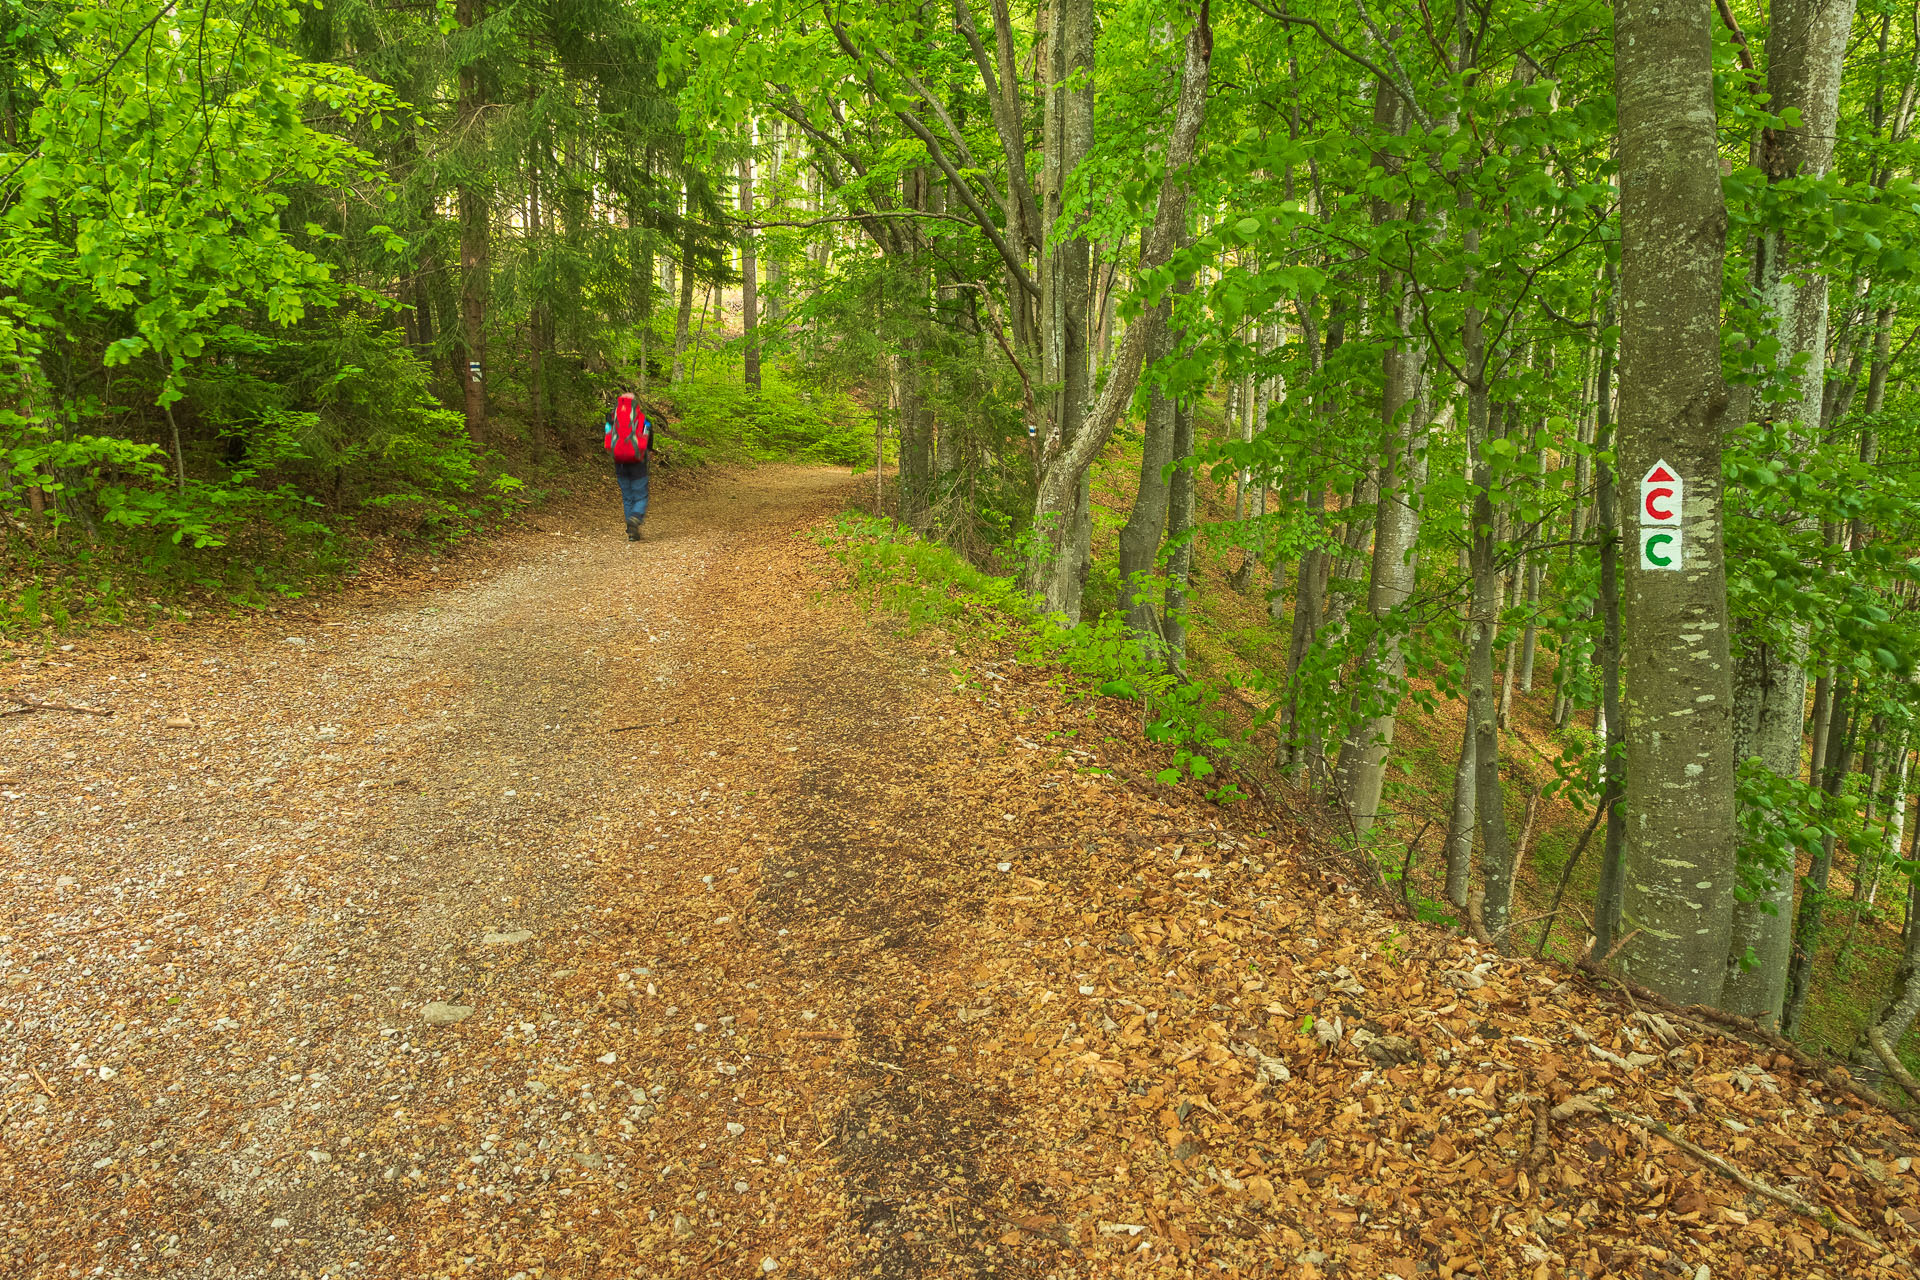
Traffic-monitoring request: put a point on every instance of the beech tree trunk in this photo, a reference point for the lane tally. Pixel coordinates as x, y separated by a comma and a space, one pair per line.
1361, 767
1173, 624
475, 201
1674, 405
1147, 522
749, 280
683, 321
1806, 45
1612, 717
1075, 436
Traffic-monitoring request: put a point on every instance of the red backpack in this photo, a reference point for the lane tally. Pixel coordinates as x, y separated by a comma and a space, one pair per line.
628, 431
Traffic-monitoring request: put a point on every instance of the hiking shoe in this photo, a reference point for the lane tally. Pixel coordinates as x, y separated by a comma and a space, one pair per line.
633, 531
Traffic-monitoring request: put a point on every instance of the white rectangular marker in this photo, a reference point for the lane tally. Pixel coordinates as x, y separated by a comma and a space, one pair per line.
1660, 547
1661, 493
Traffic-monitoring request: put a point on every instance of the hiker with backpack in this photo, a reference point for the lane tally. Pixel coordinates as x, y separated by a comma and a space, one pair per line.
629, 439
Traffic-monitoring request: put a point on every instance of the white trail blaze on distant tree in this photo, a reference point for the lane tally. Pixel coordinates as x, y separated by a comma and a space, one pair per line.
1680, 831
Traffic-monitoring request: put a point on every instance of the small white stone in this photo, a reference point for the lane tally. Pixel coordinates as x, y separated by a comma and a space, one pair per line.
735, 1128
108, 1073
607, 1059
1006, 866
279, 1223
741, 1187
769, 1266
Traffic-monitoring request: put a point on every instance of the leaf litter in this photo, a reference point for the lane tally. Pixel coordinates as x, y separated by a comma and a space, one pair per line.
858, 961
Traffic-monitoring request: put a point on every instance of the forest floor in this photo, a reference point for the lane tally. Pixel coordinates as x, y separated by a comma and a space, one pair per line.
604, 910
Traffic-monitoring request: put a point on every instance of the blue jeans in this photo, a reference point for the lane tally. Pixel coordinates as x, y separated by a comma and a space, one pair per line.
633, 487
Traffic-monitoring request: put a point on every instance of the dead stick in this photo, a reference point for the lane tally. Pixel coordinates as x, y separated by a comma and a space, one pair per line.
1537, 1151
43, 1082
1821, 1214
31, 705
819, 1035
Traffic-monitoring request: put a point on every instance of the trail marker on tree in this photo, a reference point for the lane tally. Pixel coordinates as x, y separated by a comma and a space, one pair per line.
1661, 494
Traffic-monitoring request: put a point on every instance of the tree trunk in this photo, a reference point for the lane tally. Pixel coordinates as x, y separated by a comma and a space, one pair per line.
1674, 404
1173, 625
1066, 322
1053, 572
1496, 850
1460, 817
749, 280
1361, 767
1813, 895
539, 323
1903, 1002
1806, 43
683, 321
1611, 887
1147, 522
475, 231
1766, 723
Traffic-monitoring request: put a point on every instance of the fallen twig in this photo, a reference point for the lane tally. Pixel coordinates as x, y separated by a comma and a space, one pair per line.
819, 1035
43, 1082
28, 705
1614, 950
1541, 1146
1720, 1164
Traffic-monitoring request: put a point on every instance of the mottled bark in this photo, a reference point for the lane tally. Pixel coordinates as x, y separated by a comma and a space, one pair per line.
1460, 819
1808, 920
1766, 723
1147, 521
1360, 770
1613, 720
475, 201
749, 282
1806, 43
1674, 404
1065, 456
1173, 624
683, 319
1483, 621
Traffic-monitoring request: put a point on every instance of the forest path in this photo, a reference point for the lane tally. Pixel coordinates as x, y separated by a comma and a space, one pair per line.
644, 809
787, 947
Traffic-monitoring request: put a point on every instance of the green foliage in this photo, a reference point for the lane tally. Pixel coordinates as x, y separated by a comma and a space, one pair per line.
721, 419
925, 583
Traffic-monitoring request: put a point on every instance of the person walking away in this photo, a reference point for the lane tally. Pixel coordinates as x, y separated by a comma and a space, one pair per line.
629, 438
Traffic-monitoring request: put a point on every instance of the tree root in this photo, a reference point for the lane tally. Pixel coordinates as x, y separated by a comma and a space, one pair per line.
1821, 1214
1877, 1040
1746, 1031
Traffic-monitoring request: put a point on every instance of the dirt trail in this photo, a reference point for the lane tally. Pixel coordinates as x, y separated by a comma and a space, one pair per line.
789, 948
545, 797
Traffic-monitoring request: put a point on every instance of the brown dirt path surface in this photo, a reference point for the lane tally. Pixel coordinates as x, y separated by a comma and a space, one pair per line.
787, 947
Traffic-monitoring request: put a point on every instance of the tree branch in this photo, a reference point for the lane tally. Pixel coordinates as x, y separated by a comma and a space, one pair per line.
961, 186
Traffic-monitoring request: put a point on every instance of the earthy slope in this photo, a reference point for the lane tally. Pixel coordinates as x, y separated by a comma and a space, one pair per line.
791, 947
